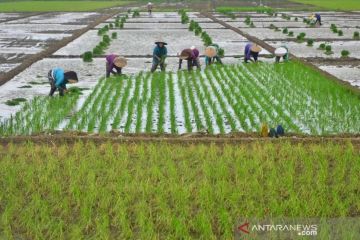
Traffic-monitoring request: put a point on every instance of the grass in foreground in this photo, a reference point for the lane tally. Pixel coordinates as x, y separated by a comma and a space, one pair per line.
161, 191
344, 5
57, 6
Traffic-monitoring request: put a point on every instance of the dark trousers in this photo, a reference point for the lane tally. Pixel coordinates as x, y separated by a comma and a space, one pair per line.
318, 21
52, 85
254, 55
155, 66
213, 59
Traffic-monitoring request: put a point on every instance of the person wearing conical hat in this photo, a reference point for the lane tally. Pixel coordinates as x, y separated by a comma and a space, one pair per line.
58, 78
281, 52
189, 56
113, 61
212, 54
251, 51
149, 7
159, 55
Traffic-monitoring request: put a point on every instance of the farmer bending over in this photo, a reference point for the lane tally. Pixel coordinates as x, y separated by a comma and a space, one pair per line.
159, 56
58, 80
189, 56
251, 51
281, 52
114, 62
196, 61
212, 54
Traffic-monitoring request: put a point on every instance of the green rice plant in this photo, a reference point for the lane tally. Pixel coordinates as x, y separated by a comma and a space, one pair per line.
114, 35
136, 13
291, 34
340, 33
322, 46
247, 20
296, 19
192, 25
221, 52
133, 103
87, 56
356, 35
185, 101
15, 101
345, 53
111, 26
252, 25
300, 37
171, 95
285, 30
198, 31
328, 49
153, 98
310, 42
272, 26
162, 99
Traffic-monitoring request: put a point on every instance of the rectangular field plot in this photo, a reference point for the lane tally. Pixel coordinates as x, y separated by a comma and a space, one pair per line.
346, 73
233, 98
60, 18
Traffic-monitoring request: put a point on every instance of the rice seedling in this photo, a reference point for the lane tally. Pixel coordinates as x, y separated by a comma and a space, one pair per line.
247, 20
322, 46
15, 101
285, 30
356, 35
291, 34
87, 56
136, 13
301, 37
310, 42
340, 33
328, 49
345, 53
114, 35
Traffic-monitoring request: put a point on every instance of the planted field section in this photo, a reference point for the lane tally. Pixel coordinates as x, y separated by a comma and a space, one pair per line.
169, 191
221, 99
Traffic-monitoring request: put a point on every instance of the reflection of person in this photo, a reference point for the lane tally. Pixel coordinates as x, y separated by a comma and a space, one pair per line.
149, 7
251, 51
58, 80
113, 61
281, 52
318, 19
212, 54
189, 56
159, 56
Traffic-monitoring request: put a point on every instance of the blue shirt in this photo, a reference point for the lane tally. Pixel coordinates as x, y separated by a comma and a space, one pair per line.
160, 52
59, 77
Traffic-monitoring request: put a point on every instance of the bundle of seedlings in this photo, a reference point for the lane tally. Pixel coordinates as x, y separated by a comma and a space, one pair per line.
136, 13
285, 30
345, 53
291, 34
87, 56
328, 50
104, 44
310, 42
301, 37
356, 35
247, 20
103, 30
206, 38
322, 46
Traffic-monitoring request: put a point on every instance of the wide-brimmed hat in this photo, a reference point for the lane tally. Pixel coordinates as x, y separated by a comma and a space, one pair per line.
120, 62
255, 48
160, 41
210, 51
184, 55
281, 51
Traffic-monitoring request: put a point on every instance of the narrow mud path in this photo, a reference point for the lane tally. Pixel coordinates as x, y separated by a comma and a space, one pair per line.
272, 49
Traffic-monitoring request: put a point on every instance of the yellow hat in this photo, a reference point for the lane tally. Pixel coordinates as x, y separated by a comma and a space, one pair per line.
120, 62
210, 51
255, 48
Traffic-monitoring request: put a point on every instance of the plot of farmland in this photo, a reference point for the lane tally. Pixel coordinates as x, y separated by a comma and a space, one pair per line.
220, 100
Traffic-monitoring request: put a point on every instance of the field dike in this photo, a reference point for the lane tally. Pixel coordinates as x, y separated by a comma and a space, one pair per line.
221, 99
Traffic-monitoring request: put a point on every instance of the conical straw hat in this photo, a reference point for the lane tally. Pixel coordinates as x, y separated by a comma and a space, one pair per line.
281, 51
120, 62
210, 51
160, 41
256, 48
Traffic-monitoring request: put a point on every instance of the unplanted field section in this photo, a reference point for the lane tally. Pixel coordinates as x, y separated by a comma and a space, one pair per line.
170, 191
235, 98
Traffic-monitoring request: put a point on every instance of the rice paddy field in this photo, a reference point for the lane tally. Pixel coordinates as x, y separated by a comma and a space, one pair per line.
177, 154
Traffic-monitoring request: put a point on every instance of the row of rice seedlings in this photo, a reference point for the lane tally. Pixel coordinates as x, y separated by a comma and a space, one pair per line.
40, 114
142, 103
171, 95
185, 102
205, 107
133, 102
154, 97
193, 103
162, 99
238, 105
119, 114
220, 105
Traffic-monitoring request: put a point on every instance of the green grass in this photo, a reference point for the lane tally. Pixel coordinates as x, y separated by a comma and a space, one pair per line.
57, 6
242, 9
170, 191
344, 5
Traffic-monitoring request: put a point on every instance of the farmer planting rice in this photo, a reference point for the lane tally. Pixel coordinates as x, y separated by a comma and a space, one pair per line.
113, 61
149, 7
281, 52
318, 18
190, 57
212, 54
196, 61
58, 79
159, 56
251, 51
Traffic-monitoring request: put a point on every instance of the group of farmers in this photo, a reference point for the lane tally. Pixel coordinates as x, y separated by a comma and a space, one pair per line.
58, 78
